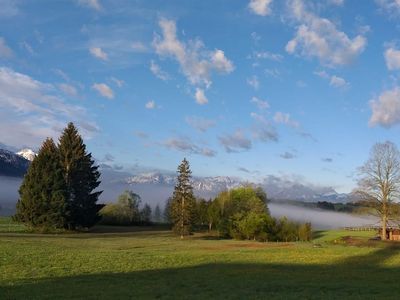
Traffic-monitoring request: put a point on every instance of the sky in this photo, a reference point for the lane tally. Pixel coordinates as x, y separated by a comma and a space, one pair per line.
247, 88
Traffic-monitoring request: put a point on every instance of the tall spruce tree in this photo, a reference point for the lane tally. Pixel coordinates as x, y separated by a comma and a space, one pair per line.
183, 201
42, 201
81, 178
157, 214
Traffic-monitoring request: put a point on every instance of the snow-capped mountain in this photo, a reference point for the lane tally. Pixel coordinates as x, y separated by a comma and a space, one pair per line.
151, 178
12, 164
28, 154
200, 184
276, 187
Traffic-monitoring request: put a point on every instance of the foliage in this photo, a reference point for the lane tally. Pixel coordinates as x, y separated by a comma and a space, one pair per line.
81, 177
57, 191
182, 207
42, 203
305, 232
126, 211
242, 213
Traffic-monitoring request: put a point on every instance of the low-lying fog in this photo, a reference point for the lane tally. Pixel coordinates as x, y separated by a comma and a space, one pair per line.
320, 219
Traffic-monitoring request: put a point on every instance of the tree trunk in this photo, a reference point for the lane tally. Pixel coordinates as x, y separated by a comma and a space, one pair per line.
209, 226
384, 221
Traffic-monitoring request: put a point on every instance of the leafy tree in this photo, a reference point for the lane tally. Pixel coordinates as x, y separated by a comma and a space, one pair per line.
81, 178
183, 201
201, 214
130, 203
379, 182
305, 232
124, 212
157, 214
42, 201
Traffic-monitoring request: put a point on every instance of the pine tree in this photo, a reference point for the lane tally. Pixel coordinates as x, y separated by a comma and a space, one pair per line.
81, 178
145, 214
157, 214
42, 201
183, 201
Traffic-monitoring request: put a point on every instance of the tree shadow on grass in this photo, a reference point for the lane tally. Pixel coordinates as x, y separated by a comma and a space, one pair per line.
358, 277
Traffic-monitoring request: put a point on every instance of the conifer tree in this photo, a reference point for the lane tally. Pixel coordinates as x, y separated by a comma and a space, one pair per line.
42, 201
81, 178
157, 214
183, 201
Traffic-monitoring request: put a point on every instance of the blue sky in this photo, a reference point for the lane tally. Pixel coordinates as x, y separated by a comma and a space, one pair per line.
300, 89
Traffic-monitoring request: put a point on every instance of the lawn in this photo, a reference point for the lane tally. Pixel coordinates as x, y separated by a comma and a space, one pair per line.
152, 263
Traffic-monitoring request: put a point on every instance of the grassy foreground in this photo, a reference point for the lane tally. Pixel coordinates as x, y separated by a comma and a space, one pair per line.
154, 264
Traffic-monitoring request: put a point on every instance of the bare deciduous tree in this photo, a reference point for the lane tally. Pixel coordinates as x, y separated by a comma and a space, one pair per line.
379, 181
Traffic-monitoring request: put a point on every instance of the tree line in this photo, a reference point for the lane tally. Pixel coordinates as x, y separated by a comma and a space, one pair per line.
59, 191
240, 213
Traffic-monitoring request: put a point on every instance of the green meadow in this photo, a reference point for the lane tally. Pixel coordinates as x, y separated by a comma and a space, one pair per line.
151, 263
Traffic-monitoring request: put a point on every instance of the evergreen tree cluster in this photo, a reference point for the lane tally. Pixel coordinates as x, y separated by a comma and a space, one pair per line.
58, 188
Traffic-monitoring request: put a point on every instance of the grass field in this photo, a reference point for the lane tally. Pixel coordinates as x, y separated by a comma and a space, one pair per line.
115, 263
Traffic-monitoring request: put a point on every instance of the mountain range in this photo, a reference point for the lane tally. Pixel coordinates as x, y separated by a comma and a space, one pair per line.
276, 187
156, 187
12, 164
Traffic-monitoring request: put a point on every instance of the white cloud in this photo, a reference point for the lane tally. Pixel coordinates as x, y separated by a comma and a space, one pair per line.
25, 45
318, 37
261, 104
334, 80
338, 82
5, 51
200, 97
158, 72
104, 90
220, 62
151, 104
196, 63
138, 46
201, 124
93, 4
386, 109
392, 58
186, 146
284, 118
337, 2
392, 7
260, 7
99, 53
235, 142
118, 82
263, 131
68, 89
8, 8
267, 55
31, 110
287, 155
253, 82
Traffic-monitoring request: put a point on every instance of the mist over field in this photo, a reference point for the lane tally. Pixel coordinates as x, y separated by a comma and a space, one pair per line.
319, 219
157, 194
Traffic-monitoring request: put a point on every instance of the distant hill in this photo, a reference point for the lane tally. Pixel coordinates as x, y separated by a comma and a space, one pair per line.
12, 165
